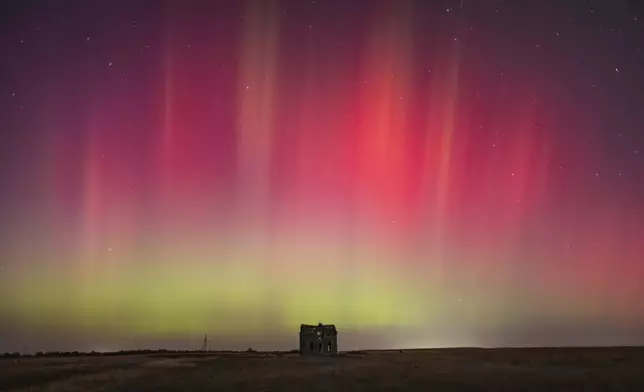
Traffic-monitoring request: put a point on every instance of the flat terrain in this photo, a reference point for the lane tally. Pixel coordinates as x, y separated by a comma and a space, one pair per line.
541, 369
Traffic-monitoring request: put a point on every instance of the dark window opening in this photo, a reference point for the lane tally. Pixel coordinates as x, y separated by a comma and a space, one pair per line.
329, 347
311, 346
320, 347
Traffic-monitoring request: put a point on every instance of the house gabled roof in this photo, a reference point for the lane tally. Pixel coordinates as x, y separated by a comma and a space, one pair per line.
327, 329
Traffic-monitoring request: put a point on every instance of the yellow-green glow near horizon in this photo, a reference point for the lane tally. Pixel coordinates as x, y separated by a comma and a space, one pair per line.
231, 296
245, 294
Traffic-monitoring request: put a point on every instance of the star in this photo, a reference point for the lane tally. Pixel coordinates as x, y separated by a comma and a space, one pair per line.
109, 249
616, 69
109, 65
87, 38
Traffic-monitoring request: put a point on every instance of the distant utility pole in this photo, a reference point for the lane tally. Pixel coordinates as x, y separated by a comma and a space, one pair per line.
205, 343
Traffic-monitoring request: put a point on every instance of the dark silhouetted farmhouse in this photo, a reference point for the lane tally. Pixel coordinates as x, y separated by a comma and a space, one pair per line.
318, 339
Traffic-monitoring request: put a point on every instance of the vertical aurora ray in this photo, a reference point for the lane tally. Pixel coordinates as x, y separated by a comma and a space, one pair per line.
256, 90
167, 136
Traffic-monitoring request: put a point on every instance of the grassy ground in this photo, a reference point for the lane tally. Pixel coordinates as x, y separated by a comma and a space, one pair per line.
548, 369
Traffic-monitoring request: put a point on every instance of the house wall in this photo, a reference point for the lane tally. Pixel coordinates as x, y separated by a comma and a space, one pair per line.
310, 344
333, 345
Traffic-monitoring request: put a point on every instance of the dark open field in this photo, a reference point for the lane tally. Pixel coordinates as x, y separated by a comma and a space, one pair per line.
543, 369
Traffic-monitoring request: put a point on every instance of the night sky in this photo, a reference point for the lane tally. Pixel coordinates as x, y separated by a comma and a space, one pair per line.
420, 173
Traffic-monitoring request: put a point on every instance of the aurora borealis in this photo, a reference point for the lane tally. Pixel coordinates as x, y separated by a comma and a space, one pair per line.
419, 173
